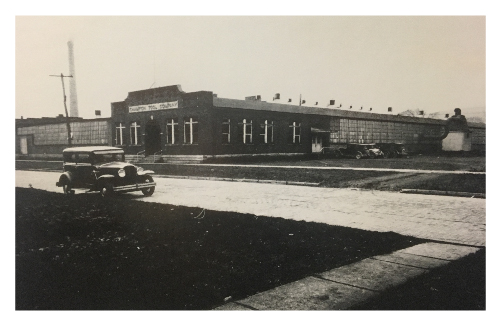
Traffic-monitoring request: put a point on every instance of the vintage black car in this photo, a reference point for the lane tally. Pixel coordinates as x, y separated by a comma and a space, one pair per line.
104, 170
392, 150
361, 150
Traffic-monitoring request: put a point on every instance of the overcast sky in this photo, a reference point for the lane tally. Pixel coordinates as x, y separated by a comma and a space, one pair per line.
434, 63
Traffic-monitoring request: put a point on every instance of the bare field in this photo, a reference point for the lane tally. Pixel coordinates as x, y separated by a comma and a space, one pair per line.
86, 253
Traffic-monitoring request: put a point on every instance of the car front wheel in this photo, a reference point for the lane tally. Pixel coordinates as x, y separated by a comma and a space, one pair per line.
148, 191
106, 190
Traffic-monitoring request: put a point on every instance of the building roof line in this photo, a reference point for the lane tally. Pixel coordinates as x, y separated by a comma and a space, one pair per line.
279, 107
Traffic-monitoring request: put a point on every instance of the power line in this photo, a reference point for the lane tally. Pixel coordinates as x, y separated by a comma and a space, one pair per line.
65, 108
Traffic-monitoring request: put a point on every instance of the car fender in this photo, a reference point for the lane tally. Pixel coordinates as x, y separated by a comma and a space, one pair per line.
145, 172
105, 177
64, 176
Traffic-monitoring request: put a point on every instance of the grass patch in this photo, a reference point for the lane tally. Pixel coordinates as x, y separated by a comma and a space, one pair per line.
85, 253
454, 182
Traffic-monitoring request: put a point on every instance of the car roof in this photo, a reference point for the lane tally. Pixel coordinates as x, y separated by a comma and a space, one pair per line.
93, 149
361, 144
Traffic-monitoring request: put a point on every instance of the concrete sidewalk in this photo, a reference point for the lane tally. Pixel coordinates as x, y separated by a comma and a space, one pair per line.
349, 285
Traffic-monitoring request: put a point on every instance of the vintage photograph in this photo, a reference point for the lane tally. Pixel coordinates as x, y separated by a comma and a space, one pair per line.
250, 163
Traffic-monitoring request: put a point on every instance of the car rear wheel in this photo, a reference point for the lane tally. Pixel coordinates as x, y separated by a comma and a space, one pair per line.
150, 190
66, 185
67, 188
106, 190
358, 155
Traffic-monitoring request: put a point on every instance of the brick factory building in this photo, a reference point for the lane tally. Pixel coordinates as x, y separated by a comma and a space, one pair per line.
169, 124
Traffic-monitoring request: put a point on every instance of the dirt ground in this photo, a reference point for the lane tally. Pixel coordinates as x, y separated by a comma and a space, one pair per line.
86, 253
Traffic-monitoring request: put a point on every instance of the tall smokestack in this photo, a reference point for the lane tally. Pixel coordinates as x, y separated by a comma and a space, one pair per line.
73, 84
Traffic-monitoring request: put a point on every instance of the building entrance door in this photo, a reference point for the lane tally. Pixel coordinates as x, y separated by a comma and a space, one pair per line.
24, 145
152, 138
316, 143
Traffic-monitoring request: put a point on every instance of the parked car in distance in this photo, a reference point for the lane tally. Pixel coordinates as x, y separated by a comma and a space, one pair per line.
393, 150
102, 169
331, 152
361, 150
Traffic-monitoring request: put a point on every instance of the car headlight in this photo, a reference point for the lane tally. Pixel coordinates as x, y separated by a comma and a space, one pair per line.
139, 169
121, 173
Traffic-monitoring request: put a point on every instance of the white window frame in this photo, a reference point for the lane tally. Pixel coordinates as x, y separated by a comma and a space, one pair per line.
134, 126
190, 123
268, 128
245, 133
119, 134
227, 122
296, 135
172, 136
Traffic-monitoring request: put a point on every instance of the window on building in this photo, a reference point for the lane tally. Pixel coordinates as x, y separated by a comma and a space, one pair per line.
172, 131
295, 132
245, 131
266, 131
119, 132
135, 133
190, 130
226, 131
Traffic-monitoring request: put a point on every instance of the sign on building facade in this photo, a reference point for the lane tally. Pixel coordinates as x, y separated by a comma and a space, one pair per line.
153, 107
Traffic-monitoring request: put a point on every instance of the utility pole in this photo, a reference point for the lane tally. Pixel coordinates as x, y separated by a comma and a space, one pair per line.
65, 108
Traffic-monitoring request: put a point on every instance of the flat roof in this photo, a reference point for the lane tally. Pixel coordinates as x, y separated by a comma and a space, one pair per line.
92, 149
296, 109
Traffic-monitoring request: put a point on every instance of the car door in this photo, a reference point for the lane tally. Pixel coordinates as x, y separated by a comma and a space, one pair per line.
84, 170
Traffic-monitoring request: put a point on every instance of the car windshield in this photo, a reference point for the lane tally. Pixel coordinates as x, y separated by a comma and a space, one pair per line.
101, 158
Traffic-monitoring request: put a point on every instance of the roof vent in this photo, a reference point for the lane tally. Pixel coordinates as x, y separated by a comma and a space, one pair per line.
255, 98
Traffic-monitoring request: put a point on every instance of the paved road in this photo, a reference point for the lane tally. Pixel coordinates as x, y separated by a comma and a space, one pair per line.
448, 219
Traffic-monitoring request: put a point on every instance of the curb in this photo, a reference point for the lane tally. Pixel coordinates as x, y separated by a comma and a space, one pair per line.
445, 193
246, 180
